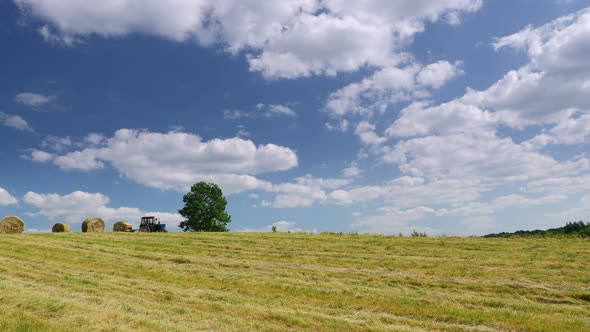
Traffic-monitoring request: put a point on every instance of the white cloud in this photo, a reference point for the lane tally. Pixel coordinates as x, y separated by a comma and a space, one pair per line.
514, 200
559, 185
93, 139
352, 170
54, 38
308, 47
555, 82
578, 212
452, 153
269, 111
341, 125
436, 74
281, 226
32, 99
56, 143
243, 133
176, 160
306, 191
6, 198
75, 207
370, 34
355, 195
40, 156
366, 132
393, 219
277, 110
281, 39
388, 86
15, 121
550, 90
236, 114
574, 130
479, 154
85, 160
407, 191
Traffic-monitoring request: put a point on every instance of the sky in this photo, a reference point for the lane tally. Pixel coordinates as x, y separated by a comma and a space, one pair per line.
456, 117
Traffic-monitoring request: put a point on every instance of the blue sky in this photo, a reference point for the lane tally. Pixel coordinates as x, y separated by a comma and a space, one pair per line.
444, 116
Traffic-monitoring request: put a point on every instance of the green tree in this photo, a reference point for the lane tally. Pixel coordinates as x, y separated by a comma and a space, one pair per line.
204, 209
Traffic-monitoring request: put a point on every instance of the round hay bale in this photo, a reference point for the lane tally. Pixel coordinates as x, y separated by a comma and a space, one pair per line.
93, 225
61, 228
122, 226
12, 225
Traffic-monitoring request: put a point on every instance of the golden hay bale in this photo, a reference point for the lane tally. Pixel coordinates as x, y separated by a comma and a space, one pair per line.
93, 225
122, 226
61, 228
12, 225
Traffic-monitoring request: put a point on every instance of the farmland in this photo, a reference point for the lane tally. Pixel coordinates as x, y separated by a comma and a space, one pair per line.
279, 281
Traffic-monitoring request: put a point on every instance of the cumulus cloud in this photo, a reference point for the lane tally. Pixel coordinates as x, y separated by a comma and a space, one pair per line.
555, 82
305, 191
15, 121
6, 198
479, 155
366, 132
57, 143
79, 205
175, 160
436, 74
552, 89
281, 39
452, 153
390, 85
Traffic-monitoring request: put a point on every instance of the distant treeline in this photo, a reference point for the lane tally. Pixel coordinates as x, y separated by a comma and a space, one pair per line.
576, 228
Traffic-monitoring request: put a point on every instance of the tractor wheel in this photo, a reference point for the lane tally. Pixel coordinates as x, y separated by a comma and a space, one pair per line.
144, 229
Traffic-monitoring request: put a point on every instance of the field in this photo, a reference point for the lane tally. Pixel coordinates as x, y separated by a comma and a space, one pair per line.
278, 281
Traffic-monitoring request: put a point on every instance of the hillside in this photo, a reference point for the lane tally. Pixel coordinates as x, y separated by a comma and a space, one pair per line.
278, 281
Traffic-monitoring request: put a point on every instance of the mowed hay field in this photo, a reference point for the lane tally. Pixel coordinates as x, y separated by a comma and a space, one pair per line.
278, 281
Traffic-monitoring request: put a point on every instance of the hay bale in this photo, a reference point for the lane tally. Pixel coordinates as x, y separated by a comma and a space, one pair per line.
122, 226
12, 225
93, 225
61, 228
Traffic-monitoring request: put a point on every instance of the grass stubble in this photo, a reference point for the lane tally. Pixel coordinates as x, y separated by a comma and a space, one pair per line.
278, 281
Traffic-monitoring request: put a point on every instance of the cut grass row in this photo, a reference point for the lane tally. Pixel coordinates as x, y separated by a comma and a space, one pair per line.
278, 281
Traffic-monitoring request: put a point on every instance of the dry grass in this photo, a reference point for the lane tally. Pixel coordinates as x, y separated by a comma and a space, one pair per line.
276, 281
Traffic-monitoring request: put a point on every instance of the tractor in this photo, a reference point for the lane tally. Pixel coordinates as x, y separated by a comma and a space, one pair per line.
151, 224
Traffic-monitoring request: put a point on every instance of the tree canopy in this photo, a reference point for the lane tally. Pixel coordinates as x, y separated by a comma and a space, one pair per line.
576, 228
204, 209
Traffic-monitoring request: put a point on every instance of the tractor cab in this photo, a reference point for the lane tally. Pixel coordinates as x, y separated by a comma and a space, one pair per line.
151, 224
